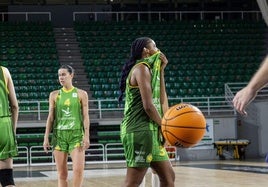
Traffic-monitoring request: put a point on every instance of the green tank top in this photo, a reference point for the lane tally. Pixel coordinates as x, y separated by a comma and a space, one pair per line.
4, 102
68, 113
135, 117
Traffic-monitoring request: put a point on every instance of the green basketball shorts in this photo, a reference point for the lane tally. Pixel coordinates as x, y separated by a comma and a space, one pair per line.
8, 143
142, 148
67, 140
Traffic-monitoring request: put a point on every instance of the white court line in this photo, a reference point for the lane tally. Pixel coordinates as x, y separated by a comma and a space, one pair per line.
52, 175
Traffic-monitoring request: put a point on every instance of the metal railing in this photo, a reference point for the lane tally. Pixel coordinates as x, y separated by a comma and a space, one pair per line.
158, 15
103, 107
109, 108
208, 105
23, 157
37, 156
26, 14
137, 15
115, 152
232, 88
96, 154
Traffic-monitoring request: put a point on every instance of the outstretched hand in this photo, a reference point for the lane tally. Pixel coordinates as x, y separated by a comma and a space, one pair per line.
242, 99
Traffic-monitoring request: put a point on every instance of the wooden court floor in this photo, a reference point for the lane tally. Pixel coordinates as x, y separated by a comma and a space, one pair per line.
216, 173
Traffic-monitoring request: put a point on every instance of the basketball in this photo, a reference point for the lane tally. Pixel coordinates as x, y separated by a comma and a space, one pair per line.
183, 125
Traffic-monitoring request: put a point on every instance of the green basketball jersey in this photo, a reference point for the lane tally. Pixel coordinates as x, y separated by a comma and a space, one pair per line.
4, 102
135, 117
8, 144
68, 113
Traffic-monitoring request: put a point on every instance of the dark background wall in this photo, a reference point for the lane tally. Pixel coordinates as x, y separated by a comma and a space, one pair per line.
61, 15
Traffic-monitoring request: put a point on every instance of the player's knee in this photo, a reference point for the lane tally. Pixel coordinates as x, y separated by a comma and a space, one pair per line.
169, 179
172, 174
6, 177
78, 171
62, 175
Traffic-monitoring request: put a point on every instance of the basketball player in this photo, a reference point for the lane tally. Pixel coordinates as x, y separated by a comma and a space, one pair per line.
143, 81
9, 111
248, 93
68, 117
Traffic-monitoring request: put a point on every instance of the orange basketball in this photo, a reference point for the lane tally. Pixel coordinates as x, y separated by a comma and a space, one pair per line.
183, 125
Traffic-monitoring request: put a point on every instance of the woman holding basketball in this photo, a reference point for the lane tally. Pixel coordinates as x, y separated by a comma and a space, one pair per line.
143, 83
68, 117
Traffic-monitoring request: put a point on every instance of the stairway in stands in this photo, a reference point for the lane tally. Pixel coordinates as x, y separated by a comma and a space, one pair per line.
69, 53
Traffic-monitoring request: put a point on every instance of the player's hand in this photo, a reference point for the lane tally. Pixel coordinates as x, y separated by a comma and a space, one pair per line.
242, 99
164, 60
46, 146
85, 143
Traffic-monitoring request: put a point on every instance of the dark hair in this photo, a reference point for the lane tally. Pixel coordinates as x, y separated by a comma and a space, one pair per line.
69, 68
136, 54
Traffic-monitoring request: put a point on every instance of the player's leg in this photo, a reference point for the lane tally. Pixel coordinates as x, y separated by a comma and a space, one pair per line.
62, 168
6, 163
165, 173
161, 164
78, 156
78, 159
8, 149
6, 173
134, 176
138, 148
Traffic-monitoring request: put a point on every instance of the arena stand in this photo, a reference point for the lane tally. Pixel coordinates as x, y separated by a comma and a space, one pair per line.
205, 60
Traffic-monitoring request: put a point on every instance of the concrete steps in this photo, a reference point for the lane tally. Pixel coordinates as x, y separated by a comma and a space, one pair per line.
69, 53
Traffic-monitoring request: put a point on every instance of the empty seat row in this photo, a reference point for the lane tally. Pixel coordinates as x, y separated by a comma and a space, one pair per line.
28, 49
209, 52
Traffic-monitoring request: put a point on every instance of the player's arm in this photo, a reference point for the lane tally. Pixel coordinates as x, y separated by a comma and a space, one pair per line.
260, 79
163, 96
14, 107
163, 93
50, 119
86, 121
142, 77
248, 93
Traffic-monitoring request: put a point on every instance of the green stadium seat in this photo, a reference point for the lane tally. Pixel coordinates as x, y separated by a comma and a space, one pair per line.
203, 55
29, 50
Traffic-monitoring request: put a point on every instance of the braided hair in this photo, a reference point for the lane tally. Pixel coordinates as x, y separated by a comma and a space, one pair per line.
136, 54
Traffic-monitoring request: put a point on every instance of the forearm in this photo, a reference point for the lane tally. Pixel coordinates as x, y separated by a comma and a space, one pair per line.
163, 95
260, 79
153, 114
49, 124
86, 127
48, 128
150, 108
14, 116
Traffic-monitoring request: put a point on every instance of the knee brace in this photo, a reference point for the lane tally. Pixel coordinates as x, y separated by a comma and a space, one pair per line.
6, 177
